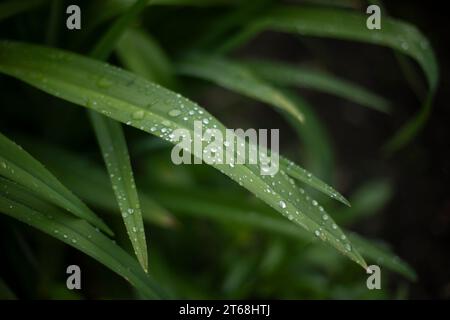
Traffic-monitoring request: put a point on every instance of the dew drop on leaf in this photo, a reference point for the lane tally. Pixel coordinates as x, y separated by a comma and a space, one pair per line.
104, 83
138, 115
174, 113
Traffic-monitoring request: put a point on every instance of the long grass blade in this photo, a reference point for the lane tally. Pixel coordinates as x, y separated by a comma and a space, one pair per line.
156, 110
18, 203
114, 148
92, 184
19, 166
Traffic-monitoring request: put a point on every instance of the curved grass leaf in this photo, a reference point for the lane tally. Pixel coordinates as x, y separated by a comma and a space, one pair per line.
115, 153
19, 166
156, 110
114, 148
298, 173
236, 77
18, 203
92, 184
347, 25
222, 208
13, 7
290, 75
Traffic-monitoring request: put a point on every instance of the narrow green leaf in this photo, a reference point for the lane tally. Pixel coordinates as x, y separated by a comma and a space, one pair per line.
17, 165
13, 7
236, 77
140, 53
297, 172
114, 147
18, 203
151, 108
348, 25
290, 75
92, 184
115, 153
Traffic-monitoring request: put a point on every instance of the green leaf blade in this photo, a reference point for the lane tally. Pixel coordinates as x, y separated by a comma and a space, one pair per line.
114, 148
18, 165
112, 142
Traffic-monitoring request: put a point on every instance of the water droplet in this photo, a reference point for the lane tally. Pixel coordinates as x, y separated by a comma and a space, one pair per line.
315, 203
104, 83
282, 204
174, 113
138, 115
